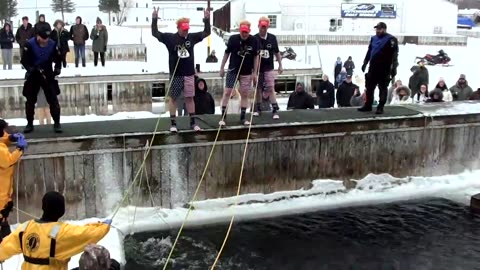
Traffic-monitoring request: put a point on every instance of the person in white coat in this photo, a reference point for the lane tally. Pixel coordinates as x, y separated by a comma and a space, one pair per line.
441, 86
401, 95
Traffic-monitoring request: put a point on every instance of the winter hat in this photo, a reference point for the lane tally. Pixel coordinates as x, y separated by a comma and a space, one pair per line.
205, 88
95, 257
99, 21
79, 18
462, 76
57, 22
53, 206
44, 31
3, 125
300, 83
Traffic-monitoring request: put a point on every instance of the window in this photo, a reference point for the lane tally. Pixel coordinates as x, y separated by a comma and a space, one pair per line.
273, 21
147, 19
113, 19
125, 19
124, 4
147, 5
136, 5
137, 19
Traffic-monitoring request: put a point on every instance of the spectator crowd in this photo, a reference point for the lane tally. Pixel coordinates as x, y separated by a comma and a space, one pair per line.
78, 34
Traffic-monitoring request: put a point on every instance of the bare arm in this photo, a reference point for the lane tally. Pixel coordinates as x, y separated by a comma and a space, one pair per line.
224, 61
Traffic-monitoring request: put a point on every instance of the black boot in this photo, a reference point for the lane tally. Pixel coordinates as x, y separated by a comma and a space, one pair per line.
28, 129
379, 110
365, 109
57, 128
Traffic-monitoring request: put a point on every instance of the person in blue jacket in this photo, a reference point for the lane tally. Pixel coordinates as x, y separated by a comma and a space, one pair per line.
382, 55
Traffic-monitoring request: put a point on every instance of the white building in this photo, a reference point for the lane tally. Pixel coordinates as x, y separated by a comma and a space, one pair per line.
138, 13
401, 16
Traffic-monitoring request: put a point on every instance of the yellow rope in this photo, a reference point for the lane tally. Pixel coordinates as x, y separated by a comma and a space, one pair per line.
203, 173
241, 173
148, 148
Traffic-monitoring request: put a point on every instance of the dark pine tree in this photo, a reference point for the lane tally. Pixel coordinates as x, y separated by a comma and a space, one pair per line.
63, 6
8, 9
109, 6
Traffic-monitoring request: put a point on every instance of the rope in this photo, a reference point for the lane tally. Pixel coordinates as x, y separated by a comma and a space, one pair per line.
26, 213
241, 173
16, 188
203, 173
135, 179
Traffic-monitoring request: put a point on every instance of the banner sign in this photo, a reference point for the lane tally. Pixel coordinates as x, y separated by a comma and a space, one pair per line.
369, 11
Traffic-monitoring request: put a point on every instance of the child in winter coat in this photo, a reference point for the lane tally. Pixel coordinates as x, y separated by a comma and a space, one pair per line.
422, 96
6, 43
342, 76
442, 87
401, 95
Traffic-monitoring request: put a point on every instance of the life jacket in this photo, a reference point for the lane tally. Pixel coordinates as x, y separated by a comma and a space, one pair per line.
34, 249
42, 55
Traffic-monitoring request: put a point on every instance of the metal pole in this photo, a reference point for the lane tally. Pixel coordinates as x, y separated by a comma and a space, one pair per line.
208, 38
306, 28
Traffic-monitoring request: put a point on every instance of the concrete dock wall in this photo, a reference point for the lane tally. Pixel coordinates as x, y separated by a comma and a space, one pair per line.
95, 171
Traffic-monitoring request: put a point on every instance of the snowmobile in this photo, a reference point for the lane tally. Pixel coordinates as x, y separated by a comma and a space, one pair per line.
440, 59
288, 53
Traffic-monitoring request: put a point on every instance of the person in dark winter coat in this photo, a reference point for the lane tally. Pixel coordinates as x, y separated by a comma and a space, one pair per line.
349, 65
345, 92
300, 100
79, 34
212, 58
435, 96
461, 90
419, 77
24, 33
325, 93
41, 24
338, 69
6, 44
61, 37
204, 102
475, 95
382, 55
99, 35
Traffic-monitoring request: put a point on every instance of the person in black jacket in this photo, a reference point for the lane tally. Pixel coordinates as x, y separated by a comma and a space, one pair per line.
61, 37
345, 92
382, 55
325, 93
299, 99
6, 44
39, 54
204, 102
41, 24
338, 68
181, 63
24, 33
349, 65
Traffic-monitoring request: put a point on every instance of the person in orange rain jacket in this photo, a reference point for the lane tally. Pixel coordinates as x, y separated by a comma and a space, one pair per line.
7, 167
47, 244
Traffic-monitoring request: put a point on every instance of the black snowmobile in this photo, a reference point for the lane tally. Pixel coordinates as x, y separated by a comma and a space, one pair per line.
288, 53
441, 58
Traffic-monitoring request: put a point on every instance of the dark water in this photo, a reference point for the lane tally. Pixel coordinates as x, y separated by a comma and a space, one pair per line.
427, 234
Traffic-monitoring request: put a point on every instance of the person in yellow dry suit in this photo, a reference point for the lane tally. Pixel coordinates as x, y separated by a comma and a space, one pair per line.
7, 168
47, 244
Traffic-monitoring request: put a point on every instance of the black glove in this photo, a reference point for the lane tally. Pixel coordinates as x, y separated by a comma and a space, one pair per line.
57, 72
364, 67
7, 209
105, 48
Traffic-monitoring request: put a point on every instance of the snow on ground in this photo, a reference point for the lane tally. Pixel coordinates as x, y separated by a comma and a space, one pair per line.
324, 194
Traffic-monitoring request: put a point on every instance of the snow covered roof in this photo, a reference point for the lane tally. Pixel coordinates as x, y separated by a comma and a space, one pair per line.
263, 7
